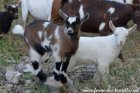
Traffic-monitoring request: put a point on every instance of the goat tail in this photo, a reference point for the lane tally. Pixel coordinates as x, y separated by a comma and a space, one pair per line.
18, 29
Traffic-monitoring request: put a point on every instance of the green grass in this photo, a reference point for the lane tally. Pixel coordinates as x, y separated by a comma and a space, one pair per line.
9, 51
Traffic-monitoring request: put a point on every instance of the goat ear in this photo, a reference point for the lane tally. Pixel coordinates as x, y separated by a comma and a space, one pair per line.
132, 29
134, 6
85, 17
112, 27
63, 15
6, 7
19, 4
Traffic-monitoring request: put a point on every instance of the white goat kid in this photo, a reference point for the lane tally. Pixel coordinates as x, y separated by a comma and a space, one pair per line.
101, 50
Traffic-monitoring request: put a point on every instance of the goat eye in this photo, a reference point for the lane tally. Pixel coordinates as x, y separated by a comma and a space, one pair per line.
137, 14
11, 12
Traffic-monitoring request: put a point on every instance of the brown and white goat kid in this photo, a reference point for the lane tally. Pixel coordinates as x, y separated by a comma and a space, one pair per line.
59, 40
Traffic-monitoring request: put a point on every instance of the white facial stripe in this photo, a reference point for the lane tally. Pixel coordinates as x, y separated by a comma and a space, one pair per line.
56, 34
71, 19
111, 10
81, 12
102, 25
13, 6
46, 24
40, 34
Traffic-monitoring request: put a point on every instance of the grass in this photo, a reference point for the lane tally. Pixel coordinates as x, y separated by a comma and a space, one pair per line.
12, 48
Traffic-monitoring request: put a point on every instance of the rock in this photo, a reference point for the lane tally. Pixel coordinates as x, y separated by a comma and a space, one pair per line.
46, 57
54, 86
9, 85
12, 76
27, 68
84, 72
20, 67
28, 91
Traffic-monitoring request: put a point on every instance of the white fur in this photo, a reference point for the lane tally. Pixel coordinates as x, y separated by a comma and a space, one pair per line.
56, 71
55, 51
46, 41
70, 1
100, 50
34, 55
81, 12
102, 25
56, 34
50, 37
122, 1
72, 19
40, 9
46, 24
35, 72
111, 10
18, 29
40, 34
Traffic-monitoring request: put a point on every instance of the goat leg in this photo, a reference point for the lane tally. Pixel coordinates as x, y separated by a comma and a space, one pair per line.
63, 76
121, 57
39, 72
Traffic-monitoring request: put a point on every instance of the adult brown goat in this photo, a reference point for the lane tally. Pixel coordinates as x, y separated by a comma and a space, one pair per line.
100, 12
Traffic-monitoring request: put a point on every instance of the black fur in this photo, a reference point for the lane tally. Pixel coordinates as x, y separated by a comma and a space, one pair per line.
40, 49
42, 76
35, 65
6, 19
56, 76
63, 79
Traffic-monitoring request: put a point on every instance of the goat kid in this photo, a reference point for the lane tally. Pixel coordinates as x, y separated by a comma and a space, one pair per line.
61, 41
101, 50
7, 17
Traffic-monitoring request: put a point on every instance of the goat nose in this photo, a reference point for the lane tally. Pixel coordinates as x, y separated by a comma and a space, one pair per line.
70, 31
121, 42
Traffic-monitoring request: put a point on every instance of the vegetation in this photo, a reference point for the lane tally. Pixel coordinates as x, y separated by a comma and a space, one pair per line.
12, 48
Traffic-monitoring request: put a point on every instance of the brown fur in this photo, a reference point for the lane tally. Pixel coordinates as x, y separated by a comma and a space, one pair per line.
68, 45
136, 1
55, 8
